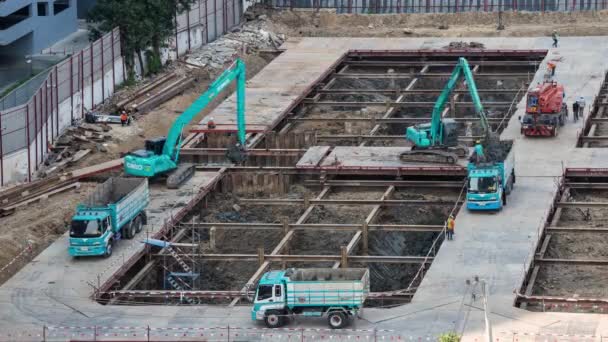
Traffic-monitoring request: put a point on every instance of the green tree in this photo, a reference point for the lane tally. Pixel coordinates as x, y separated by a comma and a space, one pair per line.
143, 24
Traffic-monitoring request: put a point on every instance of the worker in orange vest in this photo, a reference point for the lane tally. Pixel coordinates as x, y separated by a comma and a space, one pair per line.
450, 225
551, 66
124, 118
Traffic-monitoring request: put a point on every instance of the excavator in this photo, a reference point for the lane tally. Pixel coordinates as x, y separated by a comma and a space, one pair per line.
161, 155
437, 141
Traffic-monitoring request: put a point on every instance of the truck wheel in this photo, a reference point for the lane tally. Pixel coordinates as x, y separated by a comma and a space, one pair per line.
274, 319
138, 224
130, 230
108, 252
504, 199
336, 320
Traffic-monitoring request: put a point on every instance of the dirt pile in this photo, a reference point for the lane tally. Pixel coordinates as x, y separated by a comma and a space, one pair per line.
517, 24
248, 39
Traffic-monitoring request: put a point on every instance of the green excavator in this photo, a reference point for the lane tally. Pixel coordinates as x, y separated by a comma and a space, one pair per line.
161, 155
437, 141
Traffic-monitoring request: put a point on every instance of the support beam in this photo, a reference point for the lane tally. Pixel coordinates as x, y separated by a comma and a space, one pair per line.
575, 230
589, 262
316, 226
372, 63
388, 120
383, 183
409, 92
388, 259
582, 204
294, 201
410, 104
258, 273
525, 76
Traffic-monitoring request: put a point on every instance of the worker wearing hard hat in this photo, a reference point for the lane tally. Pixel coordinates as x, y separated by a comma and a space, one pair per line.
554, 36
450, 226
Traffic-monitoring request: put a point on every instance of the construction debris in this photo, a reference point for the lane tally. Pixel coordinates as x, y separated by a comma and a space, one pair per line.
247, 39
465, 45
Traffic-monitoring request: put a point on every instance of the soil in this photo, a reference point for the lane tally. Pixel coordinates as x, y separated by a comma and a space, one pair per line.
40, 224
578, 246
517, 24
594, 217
572, 280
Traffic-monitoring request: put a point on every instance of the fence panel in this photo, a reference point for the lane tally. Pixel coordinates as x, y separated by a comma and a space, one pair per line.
33, 115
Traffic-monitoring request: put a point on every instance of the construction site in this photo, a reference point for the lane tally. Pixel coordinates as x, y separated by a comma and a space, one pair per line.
434, 176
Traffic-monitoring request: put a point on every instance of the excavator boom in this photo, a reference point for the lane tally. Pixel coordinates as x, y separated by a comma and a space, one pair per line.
162, 154
439, 137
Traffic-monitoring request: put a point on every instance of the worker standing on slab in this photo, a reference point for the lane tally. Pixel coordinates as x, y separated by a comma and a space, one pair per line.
581, 106
450, 225
551, 67
555, 37
575, 111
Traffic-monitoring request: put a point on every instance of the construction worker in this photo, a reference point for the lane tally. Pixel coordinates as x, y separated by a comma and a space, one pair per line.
581, 106
450, 225
210, 123
554, 36
124, 118
575, 111
551, 67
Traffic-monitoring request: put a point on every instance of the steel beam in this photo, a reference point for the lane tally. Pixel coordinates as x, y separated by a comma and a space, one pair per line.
418, 104
380, 137
390, 259
372, 63
582, 204
382, 183
409, 92
294, 201
315, 226
387, 120
251, 152
589, 262
581, 185
430, 75
576, 230
210, 294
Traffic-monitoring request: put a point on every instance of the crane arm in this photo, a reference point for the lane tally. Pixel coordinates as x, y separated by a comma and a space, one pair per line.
436, 119
235, 71
468, 75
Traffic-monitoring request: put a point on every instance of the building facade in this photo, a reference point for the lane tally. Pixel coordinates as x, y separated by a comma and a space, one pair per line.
28, 26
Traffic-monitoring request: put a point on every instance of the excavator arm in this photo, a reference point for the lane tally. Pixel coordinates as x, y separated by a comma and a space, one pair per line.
468, 75
236, 71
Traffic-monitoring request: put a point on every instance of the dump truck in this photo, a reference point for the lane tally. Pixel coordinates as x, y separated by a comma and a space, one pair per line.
491, 177
115, 210
337, 294
546, 110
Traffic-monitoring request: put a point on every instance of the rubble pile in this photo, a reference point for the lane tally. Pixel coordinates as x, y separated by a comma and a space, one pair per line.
74, 144
246, 39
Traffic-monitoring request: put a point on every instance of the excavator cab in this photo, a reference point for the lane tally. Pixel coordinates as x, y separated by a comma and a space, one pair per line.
156, 145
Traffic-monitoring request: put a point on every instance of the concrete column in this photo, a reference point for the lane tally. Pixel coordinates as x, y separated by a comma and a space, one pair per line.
344, 256
212, 238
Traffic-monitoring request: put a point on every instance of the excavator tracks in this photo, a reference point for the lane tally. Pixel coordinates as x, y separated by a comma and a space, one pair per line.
180, 175
429, 156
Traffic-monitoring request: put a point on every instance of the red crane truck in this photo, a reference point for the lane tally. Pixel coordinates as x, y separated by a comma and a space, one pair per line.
546, 110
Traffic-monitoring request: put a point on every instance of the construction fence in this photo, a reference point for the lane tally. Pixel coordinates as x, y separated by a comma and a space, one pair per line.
229, 333
71, 87
442, 6
206, 21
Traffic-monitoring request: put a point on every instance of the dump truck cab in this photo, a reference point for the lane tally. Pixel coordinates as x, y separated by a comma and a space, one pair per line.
270, 294
90, 232
484, 189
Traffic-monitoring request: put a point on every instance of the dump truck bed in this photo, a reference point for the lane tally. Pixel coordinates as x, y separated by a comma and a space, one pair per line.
327, 287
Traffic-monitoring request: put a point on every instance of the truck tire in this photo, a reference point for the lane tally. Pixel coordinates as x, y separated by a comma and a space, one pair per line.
337, 320
138, 224
504, 199
130, 229
274, 319
109, 249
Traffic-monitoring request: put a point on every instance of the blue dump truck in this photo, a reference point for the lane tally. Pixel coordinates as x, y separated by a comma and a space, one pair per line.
491, 178
337, 294
115, 210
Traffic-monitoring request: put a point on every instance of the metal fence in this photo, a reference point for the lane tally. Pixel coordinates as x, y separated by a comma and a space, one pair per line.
81, 81
206, 21
442, 6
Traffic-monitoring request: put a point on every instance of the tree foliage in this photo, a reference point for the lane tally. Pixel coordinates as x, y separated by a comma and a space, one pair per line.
143, 24
449, 337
